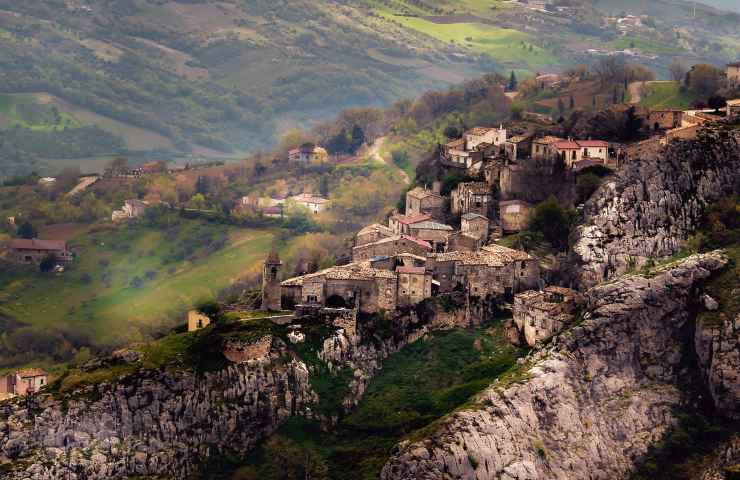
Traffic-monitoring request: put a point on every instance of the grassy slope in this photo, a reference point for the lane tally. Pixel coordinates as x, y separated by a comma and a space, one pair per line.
418, 385
112, 310
667, 95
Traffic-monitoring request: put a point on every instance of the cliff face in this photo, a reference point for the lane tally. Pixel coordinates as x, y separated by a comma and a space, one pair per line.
653, 205
589, 404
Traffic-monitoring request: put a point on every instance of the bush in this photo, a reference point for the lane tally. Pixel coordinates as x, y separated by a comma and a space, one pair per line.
553, 222
586, 185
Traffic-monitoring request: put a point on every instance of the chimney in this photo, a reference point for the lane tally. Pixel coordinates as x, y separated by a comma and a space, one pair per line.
437, 187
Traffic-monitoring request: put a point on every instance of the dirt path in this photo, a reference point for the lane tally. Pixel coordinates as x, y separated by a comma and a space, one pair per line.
635, 90
374, 153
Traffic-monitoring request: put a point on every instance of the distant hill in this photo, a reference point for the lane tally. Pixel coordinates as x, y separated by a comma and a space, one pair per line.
221, 78
730, 5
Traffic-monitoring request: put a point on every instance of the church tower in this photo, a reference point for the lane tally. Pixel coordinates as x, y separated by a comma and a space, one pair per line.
271, 292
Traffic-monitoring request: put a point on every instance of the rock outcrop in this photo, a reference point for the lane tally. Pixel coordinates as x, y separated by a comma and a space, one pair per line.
718, 349
586, 406
652, 206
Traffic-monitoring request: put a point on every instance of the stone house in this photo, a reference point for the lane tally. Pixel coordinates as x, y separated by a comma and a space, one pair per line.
197, 320
372, 233
414, 285
733, 74
132, 208
541, 146
390, 247
478, 135
733, 106
314, 203
514, 215
401, 224
422, 201
475, 225
307, 153
386, 262
492, 271
433, 232
271, 289
517, 147
23, 382
664, 119
463, 242
473, 147
34, 250
355, 285
471, 197
540, 314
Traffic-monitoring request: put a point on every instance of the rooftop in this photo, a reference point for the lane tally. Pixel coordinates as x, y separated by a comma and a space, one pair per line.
474, 216
548, 140
352, 271
412, 270
37, 244
309, 198
504, 203
592, 143
566, 145
478, 188
375, 227
507, 254
411, 219
420, 192
430, 225
31, 372
456, 143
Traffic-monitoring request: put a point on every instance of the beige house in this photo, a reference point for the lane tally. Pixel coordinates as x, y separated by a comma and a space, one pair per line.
23, 382
733, 74
314, 203
132, 208
478, 135
541, 146
307, 153
422, 201
514, 215
733, 107
414, 285
475, 225
401, 224
197, 320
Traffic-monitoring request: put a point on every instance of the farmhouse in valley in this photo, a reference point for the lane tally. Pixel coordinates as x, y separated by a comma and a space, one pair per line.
132, 208
34, 250
307, 153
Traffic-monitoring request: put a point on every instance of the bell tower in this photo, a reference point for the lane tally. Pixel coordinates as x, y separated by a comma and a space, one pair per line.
271, 291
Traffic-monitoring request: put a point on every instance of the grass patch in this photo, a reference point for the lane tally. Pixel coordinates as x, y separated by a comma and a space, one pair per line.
417, 386
667, 95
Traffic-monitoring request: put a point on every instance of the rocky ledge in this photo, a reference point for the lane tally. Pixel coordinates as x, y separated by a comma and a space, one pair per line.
589, 404
652, 205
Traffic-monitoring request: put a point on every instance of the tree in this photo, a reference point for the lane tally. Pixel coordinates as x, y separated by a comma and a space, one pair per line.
678, 70
704, 80
512, 82
586, 185
452, 131
48, 263
716, 102
561, 106
553, 222
572, 102
358, 139
27, 230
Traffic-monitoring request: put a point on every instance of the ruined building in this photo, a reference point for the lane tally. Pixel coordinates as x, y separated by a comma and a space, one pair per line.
271, 290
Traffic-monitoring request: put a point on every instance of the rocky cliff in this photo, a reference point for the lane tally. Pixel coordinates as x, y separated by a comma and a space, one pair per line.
590, 403
653, 204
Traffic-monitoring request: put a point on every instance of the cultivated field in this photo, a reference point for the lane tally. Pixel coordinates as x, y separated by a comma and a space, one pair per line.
666, 95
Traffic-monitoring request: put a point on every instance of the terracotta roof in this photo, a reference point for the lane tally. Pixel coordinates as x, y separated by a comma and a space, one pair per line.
470, 258
506, 253
412, 270
548, 139
566, 145
430, 225
36, 244
479, 130
31, 372
592, 143
352, 271
456, 143
411, 219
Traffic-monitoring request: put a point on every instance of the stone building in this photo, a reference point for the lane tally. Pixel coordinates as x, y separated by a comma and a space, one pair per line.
479, 135
433, 232
355, 285
471, 197
514, 215
307, 153
197, 320
664, 119
492, 271
401, 224
540, 314
414, 285
463, 242
132, 208
34, 251
390, 247
314, 203
372, 233
475, 225
23, 382
733, 106
541, 146
475, 145
387, 262
422, 201
518, 147
271, 291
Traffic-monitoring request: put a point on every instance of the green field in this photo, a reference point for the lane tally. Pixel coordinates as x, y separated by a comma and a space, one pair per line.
130, 281
509, 47
35, 112
666, 95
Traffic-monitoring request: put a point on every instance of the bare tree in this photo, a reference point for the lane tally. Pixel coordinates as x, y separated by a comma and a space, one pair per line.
678, 70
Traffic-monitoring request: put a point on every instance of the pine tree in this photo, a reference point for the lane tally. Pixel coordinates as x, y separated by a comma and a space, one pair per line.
561, 106
513, 81
572, 102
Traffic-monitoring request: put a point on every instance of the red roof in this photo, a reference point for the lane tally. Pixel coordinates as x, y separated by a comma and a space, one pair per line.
36, 244
417, 241
411, 219
592, 143
566, 145
414, 270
